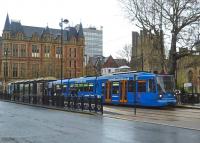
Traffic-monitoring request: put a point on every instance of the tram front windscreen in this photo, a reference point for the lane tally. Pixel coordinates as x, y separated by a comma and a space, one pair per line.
165, 83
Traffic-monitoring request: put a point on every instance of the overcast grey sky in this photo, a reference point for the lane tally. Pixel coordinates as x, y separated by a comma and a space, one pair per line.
106, 13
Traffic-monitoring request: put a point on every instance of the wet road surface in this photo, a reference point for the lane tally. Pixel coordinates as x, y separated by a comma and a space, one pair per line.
179, 117
26, 124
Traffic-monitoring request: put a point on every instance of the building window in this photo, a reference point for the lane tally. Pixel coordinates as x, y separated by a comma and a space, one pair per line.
15, 50
47, 51
23, 50
6, 49
20, 36
35, 51
50, 70
70, 63
190, 76
75, 64
35, 70
6, 35
58, 52
70, 52
22, 70
15, 70
5, 67
75, 52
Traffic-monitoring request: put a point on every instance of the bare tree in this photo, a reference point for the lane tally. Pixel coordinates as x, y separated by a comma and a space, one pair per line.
177, 18
125, 53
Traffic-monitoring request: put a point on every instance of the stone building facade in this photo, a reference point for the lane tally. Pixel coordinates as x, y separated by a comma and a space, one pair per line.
188, 70
147, 52
32, 52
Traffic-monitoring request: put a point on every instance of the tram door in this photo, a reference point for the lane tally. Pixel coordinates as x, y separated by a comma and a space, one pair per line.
141, 90
108, 92
123, 91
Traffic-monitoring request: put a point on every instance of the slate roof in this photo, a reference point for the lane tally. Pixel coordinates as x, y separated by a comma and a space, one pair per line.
93, 60
28, 31
80, 31
121, 62
7, 24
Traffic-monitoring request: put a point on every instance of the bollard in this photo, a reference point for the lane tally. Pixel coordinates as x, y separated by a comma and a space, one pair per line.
82, 103
101, 100
95, 103
89, 103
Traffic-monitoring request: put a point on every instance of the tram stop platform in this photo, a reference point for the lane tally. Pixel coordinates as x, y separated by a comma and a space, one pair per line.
190, 106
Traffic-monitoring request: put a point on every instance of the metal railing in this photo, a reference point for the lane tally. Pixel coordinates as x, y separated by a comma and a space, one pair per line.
71, 103
188, 98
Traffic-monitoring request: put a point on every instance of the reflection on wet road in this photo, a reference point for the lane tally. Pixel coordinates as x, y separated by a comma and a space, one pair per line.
26, 124
179, 117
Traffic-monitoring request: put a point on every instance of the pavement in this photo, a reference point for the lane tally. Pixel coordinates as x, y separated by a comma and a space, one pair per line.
189, 106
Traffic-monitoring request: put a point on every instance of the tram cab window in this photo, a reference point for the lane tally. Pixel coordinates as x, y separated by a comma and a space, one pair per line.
141, 86
115, 87
152, 86
131, 86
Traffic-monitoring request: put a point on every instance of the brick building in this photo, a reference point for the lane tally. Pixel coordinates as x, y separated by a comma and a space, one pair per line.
105, 65
32, 52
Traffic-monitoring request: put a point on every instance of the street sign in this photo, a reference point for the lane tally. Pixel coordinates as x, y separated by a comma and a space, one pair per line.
189, 84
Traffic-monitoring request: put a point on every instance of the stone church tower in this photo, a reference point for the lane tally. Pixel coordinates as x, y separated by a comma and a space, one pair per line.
147, 52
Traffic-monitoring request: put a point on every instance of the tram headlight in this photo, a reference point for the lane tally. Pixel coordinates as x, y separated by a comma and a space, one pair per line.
160, 95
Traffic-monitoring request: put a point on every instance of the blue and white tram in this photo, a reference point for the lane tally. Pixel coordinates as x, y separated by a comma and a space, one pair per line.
141, 88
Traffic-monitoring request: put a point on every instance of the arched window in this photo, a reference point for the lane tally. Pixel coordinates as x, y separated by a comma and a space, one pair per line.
190, 76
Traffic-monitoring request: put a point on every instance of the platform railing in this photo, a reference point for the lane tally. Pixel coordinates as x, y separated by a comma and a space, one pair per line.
91, 103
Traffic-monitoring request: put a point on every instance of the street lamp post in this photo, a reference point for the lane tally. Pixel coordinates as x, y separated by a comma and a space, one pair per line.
61, 51
6, 68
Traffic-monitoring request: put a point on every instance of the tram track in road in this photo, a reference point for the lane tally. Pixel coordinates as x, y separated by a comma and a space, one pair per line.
174, 112
186, 118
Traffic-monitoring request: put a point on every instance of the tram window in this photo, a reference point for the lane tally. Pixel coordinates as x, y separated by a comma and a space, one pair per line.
141, 86
64, 87
90, 88
103, 88
115, 87
58, 87
71, 86
81, 87
152, 87
76, 87
131, 86
86, 87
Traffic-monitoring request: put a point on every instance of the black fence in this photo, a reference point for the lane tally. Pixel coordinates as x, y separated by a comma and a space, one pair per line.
71, 103
188, 98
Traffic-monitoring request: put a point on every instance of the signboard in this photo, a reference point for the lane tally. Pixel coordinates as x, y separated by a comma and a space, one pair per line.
187, 84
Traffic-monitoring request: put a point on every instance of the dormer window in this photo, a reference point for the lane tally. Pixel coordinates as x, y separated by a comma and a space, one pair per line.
35, 37
20, 36
6, 35
47, 51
